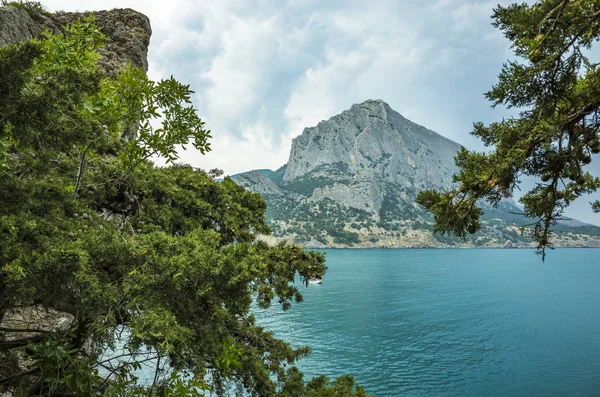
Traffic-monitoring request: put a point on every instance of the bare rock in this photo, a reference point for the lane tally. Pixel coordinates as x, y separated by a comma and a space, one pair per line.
257, 182
129, 32
35, 319
16, 25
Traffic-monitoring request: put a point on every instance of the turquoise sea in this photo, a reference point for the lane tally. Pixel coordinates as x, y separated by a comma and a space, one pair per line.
452, 322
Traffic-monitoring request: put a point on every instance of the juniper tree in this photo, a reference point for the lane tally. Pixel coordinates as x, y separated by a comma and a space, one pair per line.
167, 257
555, 84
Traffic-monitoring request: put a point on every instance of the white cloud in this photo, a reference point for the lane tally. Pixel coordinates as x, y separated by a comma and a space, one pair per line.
283, 66
265, 69
239, 74
240, 153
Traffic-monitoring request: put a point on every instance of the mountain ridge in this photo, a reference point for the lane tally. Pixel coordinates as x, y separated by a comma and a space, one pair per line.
351, 181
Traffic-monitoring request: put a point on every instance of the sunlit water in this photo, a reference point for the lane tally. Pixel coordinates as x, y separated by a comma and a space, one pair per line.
453, 322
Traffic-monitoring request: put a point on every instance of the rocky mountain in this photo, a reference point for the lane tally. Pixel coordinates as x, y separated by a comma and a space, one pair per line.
352, 181
129, 32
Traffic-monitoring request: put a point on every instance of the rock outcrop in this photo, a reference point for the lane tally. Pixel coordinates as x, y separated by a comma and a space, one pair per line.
260, 183
368, 153
370, 141
129, 32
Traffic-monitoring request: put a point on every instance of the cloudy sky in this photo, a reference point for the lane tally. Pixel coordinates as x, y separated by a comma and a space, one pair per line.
264, 70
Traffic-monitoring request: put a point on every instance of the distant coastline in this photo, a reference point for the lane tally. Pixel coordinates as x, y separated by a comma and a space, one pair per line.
562, 242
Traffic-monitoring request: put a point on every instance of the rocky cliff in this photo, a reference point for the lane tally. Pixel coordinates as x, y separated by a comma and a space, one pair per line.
129, 32
374, 141
352, 181
365, 151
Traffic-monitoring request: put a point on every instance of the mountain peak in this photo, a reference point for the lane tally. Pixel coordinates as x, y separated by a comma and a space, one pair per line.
371, 102
371, 140
376, 107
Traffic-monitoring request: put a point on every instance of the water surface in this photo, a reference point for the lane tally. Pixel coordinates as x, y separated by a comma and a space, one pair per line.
453, 322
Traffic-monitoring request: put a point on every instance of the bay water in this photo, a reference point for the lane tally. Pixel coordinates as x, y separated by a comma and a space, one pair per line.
452, 322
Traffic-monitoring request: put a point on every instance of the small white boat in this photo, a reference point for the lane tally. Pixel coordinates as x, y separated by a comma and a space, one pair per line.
315, 281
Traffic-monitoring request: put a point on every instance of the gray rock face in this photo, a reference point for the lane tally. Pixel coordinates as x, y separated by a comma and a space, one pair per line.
366, 149
374, 141
258, 183
129, 32
16, 25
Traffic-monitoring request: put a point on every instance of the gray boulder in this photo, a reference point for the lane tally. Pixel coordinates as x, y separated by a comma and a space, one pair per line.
129, 32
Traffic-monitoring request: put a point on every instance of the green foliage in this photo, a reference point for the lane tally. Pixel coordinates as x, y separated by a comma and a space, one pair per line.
341, 387
306, 186
277, 175
76, 55
343, 237
557, 89
166, 257
389, 207
308, 183
321, 387
446, 239
132, 104
309, 221
449, 217
5, 144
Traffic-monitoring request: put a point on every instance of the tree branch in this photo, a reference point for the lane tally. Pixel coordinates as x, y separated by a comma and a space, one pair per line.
592, 16
80, 172
156, 372
11, 344
18, 375
5, 329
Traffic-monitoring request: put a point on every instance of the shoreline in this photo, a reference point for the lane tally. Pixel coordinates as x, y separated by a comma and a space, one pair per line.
441, 248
